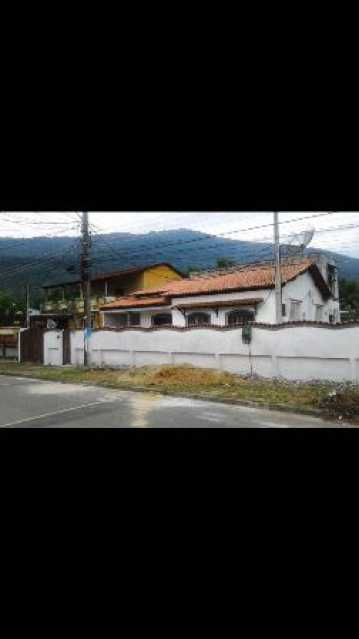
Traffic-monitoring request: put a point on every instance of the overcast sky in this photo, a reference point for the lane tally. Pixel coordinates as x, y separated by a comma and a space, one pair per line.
231, 225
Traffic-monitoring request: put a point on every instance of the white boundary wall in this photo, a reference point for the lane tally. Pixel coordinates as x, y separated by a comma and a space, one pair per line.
292, 352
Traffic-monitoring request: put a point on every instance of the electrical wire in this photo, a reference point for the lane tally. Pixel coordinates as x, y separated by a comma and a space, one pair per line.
127, 251
40, 262
149, 250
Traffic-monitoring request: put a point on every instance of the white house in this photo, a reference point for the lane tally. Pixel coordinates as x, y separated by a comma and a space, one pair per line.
233, 297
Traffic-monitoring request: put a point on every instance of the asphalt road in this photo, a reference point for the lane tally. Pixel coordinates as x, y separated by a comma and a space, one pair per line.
41, 404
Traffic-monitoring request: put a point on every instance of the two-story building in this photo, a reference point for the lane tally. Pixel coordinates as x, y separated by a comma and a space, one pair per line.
64, 301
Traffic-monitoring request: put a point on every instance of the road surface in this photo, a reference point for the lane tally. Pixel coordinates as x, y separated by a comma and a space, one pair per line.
42, 404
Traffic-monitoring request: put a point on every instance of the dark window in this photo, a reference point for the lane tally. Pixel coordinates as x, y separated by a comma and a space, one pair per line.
135, 319
240, 318
165, 319
199, 319
114, 289
283, 310
122, 320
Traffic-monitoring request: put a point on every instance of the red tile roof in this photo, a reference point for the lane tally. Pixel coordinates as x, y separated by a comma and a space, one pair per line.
242, 278
135, 302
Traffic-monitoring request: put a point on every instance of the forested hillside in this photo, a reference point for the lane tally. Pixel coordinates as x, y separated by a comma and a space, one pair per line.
43, 260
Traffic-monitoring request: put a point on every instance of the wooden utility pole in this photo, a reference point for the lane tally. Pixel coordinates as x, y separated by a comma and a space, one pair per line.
278, 277
86, 283
27, 305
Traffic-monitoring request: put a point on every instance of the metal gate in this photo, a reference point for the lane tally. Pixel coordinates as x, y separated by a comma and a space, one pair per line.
54, 355
32, 345
66, 343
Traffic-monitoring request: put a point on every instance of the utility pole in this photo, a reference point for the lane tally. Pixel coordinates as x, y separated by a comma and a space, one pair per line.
278, 277
27, 305
86, 283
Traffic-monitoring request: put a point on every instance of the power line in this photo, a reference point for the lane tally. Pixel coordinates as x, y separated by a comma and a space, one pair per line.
240, 230
11, 272
151, 250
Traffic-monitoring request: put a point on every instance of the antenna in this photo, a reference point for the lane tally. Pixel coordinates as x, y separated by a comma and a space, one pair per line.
298, 242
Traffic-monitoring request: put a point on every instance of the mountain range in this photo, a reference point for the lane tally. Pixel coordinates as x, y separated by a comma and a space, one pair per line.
44, 260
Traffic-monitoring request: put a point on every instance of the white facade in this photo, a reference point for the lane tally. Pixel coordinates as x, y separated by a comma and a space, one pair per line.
304, 290
301, 298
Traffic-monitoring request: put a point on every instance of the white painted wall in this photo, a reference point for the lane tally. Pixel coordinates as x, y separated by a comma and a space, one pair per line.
303, 352
304, 289
265, 310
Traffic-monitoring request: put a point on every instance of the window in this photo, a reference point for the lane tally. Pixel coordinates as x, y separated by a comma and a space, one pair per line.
295, 311
319, 313
135, 319
199, 319
240, 318
122, 320
114, 289
283, 310
165, 319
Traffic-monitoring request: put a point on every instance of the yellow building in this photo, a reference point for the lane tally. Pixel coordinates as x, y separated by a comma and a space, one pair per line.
64, 303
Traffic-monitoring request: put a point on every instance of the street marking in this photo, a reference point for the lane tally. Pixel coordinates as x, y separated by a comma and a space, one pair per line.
58, 412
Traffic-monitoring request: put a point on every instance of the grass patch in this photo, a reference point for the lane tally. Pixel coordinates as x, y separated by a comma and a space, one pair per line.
333, 400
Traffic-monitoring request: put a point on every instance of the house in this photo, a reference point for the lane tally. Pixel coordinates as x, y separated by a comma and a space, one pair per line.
9, 342
64, 302
233, 297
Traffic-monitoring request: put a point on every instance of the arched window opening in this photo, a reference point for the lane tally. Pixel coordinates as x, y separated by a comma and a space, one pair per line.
240, 317
199, 319
165, 319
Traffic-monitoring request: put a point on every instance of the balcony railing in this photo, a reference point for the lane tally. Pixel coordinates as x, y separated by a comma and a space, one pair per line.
74, 306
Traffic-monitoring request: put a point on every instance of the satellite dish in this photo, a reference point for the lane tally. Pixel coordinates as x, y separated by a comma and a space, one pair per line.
298, 242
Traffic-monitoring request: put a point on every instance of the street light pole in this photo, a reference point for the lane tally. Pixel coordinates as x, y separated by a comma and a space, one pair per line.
278, 277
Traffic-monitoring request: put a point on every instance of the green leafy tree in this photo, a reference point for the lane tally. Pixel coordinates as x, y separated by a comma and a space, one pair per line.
12, 309
193, 269
225, 262
349, 298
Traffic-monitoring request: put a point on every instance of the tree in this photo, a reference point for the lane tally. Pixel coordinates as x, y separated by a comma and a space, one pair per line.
225, 262
193, 269
349, 298
12, 309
